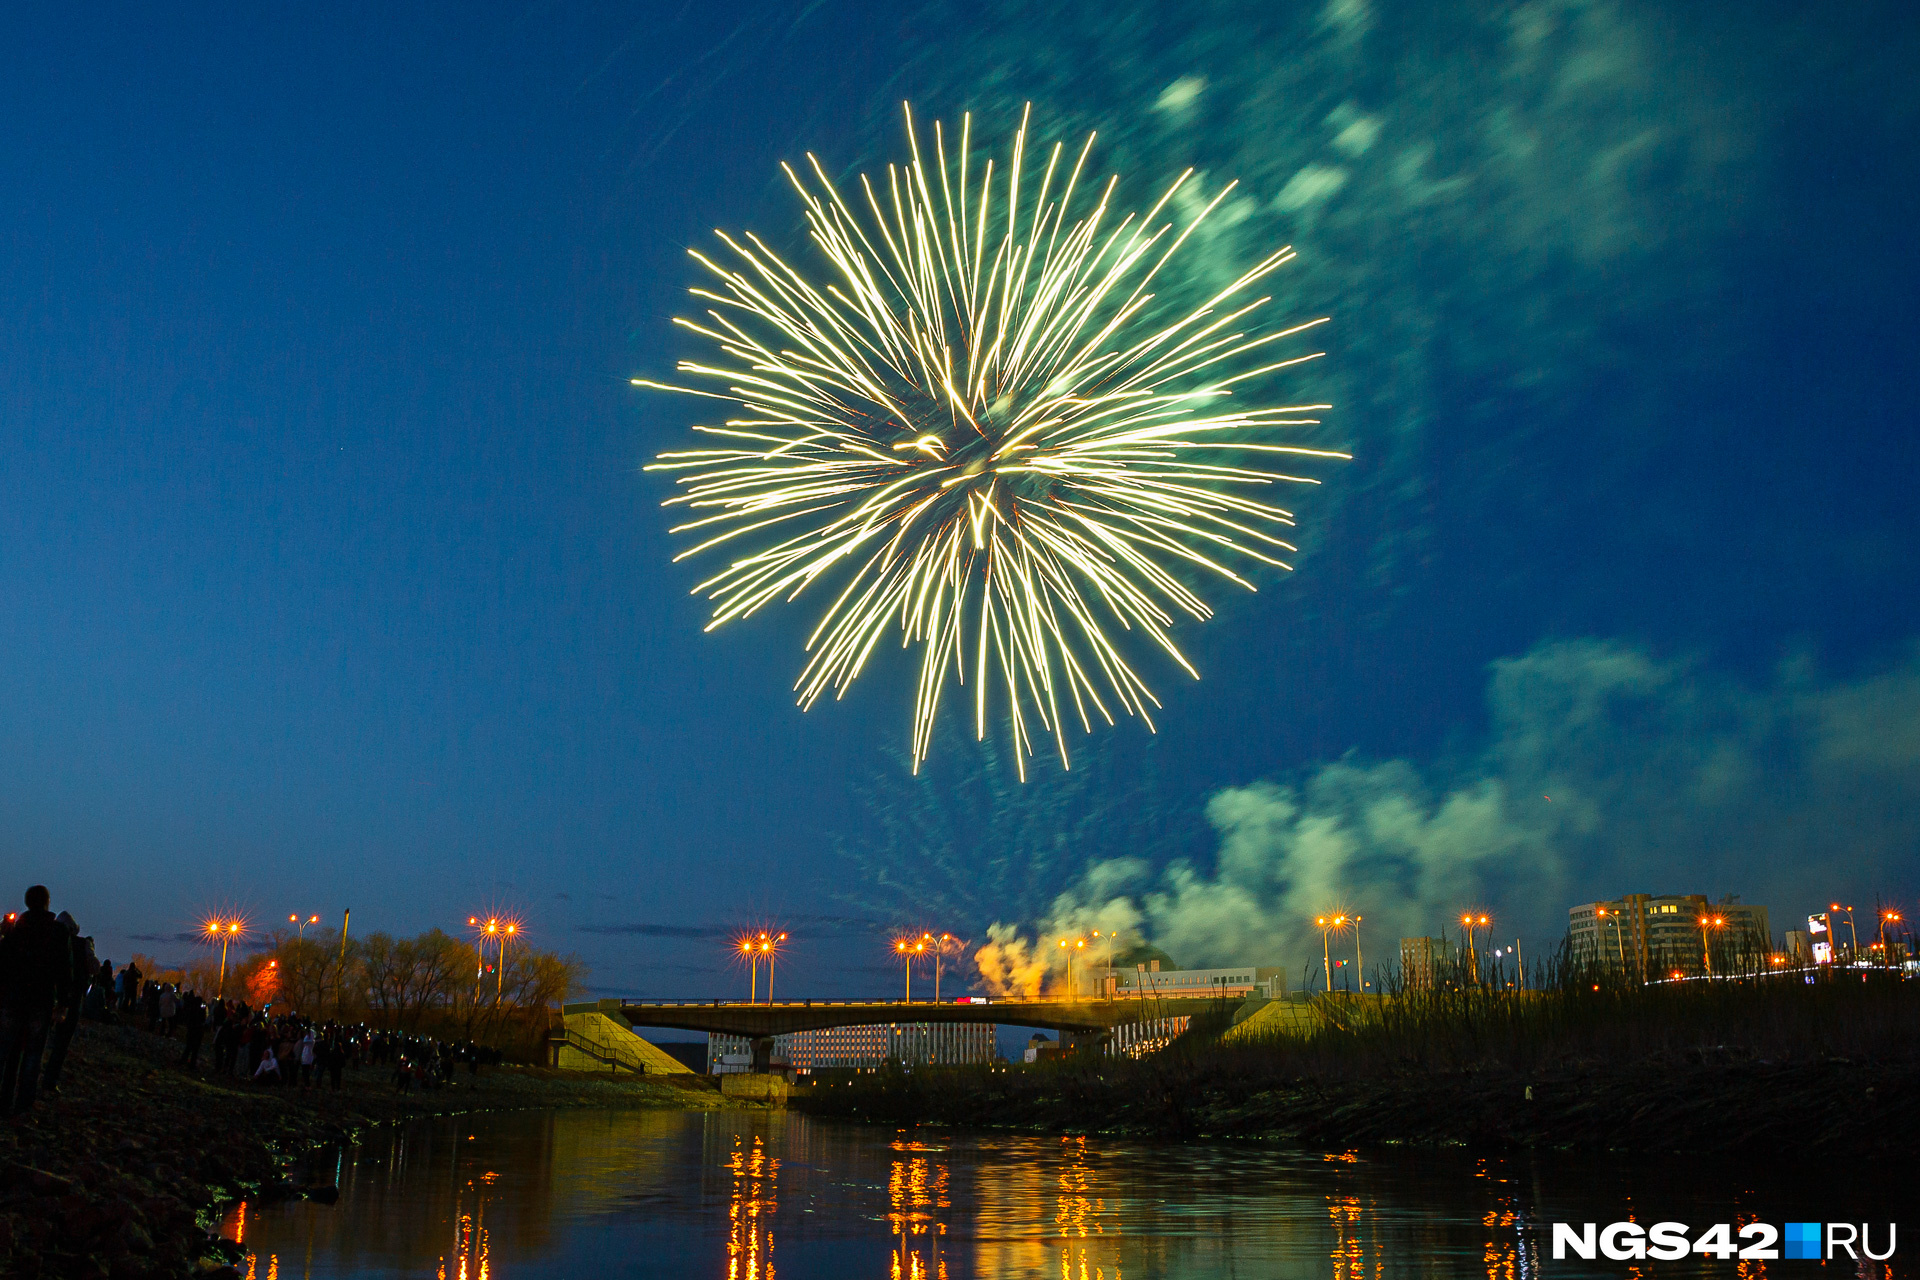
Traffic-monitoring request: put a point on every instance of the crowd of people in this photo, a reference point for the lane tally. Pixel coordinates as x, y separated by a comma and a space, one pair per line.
50, 979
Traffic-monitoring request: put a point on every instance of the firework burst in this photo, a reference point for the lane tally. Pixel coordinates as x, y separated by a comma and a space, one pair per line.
980, 432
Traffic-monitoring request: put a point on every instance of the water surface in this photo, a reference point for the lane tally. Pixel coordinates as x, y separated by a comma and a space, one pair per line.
775, 1196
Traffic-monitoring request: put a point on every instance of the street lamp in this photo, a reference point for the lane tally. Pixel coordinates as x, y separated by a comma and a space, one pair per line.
1071, 945
907, 951
1619, 945
1470, 922
227, 932
753, 970
770, 948
301, 925
1853, 936
1109, 935
498, 932
1326, 925
1706, 951
940, 945
1886, 914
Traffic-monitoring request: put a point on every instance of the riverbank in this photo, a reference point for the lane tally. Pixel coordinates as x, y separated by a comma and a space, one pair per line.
121, 1173
1718, 1102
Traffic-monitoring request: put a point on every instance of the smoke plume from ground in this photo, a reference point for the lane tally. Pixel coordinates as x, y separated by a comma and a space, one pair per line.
1604, 771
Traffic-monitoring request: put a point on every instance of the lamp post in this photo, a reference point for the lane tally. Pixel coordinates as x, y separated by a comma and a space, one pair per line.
907, 951
753, 969
498, 932
226, 931
1706, 951
1110, 935
940, 945
770, 948
1619, 945
1886, 914
1327, 924
1854, 951
1359, 962
1470, 922
300, 926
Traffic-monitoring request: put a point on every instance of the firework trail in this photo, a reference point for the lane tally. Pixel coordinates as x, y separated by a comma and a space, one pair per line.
973, 422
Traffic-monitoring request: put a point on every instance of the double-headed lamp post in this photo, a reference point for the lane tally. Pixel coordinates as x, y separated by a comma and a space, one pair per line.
227, 931
939, 946
300, 926
499, 932
1887, 914
1327, 925
1852, 934
770, 950
1071, 945
1471, 922
907, 951
1706, 950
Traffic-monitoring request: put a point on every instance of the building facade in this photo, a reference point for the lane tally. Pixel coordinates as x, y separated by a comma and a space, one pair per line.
1147, 981
1426, 962
860, 1048
1653, 936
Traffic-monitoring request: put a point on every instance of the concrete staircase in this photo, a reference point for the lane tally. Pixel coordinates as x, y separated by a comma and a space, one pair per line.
593, 1038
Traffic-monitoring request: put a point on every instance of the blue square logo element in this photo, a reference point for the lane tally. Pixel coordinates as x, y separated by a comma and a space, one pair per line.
1803, 1240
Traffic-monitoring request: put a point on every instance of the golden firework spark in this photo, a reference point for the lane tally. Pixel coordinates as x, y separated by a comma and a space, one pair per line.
974, 423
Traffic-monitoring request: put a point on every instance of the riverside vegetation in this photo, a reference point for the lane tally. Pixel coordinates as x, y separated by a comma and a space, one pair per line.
1580, 1060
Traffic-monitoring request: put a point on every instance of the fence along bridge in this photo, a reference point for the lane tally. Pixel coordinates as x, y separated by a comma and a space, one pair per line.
604, 1029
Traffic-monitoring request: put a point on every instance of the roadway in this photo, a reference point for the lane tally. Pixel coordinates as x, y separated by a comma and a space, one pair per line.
755, 1021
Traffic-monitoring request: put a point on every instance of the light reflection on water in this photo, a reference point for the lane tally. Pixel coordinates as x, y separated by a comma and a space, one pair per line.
773, 1196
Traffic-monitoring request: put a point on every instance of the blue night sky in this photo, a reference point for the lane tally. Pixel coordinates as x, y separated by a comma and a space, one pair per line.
328, 575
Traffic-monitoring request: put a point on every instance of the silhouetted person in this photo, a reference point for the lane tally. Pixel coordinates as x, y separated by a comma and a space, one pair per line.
193, 1017
36, 967
70, 1001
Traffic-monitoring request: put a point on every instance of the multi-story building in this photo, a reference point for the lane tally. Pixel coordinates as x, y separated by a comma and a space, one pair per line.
1653, 936
1423, 961
1148, 981
861, 1048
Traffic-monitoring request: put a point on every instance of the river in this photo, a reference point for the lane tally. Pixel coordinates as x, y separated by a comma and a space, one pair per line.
738, 1195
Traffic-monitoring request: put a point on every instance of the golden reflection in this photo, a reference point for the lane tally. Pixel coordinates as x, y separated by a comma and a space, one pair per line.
752, 1200
918, 1189
1349, 1252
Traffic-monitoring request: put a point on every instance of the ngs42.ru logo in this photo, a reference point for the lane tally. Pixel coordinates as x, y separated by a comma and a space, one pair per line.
1668, 1241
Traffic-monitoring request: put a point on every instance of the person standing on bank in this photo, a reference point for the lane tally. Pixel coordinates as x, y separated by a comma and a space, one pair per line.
71, 1000
36, 964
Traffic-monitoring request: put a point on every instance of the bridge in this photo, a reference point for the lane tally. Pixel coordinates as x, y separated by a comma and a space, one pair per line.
760, 1022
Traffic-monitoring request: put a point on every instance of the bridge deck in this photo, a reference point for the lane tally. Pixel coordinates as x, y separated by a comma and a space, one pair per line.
753, 1021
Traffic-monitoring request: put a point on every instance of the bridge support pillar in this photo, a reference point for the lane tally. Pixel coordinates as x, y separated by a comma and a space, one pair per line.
1087, 1042
763, 1054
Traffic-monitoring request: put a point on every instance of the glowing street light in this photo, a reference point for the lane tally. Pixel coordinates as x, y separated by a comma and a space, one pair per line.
1619, 946
1886, 914
1470, 922
300, 925
1706, 951
1851, 933
770, 949
1071, 945
907, 950
1327, 925
499, 932
226, 932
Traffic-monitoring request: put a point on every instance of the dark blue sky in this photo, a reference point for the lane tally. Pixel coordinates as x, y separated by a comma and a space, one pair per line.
328, 578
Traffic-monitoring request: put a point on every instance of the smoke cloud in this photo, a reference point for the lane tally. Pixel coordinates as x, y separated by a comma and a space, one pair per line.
1604, 770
